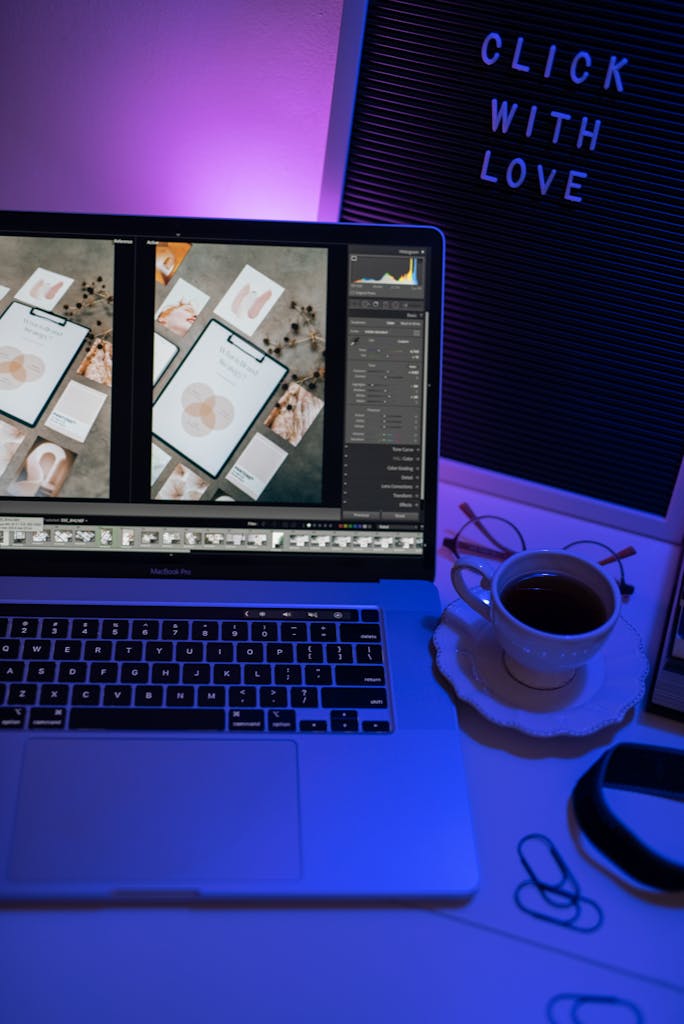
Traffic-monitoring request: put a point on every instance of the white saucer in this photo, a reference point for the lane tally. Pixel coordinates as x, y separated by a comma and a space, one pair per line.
601, 693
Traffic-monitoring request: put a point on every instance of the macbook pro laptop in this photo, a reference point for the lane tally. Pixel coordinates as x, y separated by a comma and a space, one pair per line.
218, 470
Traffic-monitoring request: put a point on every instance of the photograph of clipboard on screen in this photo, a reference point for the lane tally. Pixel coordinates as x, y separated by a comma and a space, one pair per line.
214, 397
36, 348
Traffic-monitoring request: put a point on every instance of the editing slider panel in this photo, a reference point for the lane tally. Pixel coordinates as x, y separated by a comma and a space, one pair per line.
383, 419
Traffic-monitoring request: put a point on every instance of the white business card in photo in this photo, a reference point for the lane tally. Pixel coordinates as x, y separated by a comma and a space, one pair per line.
76, 411
258, 463
163, 353
158, 461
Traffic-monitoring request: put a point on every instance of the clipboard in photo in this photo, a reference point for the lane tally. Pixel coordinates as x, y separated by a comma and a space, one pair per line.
214, 397
36, 349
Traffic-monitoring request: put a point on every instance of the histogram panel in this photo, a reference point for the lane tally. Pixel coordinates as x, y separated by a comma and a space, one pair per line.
384, 269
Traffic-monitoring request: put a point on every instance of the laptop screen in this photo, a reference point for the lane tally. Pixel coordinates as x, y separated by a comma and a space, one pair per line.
210, 397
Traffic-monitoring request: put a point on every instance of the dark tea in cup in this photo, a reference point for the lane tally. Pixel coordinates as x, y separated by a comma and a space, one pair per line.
554, 603
550, 611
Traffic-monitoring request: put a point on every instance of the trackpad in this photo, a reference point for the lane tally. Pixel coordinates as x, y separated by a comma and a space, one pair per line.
161, 811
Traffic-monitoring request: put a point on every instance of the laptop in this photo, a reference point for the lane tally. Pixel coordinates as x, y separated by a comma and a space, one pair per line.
218, 472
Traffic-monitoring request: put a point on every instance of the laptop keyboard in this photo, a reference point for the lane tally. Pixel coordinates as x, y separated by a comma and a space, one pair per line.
235, 670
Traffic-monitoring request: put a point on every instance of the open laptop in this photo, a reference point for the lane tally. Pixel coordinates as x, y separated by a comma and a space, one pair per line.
218, 461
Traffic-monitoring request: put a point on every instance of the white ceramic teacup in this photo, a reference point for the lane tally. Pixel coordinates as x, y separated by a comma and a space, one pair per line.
550, 611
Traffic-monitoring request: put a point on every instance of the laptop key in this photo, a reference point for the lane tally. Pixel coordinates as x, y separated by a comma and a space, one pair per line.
273, 697
36, 650
67, 650
98, 650
55, 628
128, 650
115, 629
194, 673
11, 671
85, 628
211, 696
369, 654
250, 652
41, 671
360, 675
135, 673
165, 674
258, 675
180, 696
146, 696
225, 674
234, 631
280, 653
12, 718
175, 630
246, 719
219, 652
242, 696
58, 694
339, 653
105, 672
204, 631
304, 697
72, 672
47, 718
159, 651
358, 633
293, 631
264, 631
344, 721
148, 719
24, 627
288, 675
145, 629
310, 652
375, 725
118, 696
281, 720
86, 695
318, 675
23, 694
353, 697
323, 631
313, 725
190, 651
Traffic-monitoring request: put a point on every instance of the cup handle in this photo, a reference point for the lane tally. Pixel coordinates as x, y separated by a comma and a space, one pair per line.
465, 592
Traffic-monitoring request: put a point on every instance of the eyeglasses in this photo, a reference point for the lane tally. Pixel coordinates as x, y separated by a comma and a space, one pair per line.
496, 538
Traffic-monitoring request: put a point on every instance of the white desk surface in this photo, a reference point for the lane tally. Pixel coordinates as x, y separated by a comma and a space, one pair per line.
485, 961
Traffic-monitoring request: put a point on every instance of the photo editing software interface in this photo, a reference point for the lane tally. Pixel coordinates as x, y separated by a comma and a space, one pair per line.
193, 394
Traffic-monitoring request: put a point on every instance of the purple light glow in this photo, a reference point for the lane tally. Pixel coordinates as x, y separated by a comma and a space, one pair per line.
216, 108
